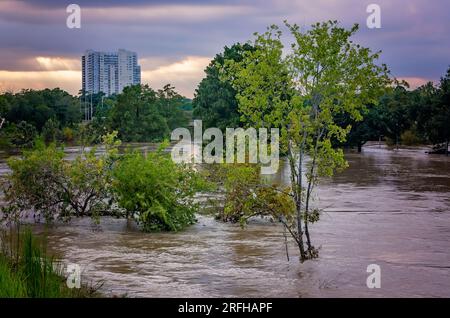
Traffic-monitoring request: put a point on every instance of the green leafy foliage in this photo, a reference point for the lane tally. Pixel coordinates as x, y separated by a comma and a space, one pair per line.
21, 135
37, 107
247, 196
325, 74
435, 113
158, 193
141, 114
50, 131
215, 102
43, 182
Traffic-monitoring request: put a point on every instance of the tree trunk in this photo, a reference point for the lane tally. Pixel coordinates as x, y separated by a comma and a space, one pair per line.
359, 147
308, 238
300, 233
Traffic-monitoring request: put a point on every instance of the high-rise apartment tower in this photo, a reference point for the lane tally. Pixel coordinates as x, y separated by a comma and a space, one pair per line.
109, 72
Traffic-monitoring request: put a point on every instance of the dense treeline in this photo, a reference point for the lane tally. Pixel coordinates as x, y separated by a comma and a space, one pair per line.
408, 117
402, 116
29, 113
142, 114
139, 114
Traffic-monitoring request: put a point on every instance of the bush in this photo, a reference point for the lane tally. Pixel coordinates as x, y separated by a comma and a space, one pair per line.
154, 190
43, 182
68, 134
21, 135
50, 131
246, 195
158, 193
410, 138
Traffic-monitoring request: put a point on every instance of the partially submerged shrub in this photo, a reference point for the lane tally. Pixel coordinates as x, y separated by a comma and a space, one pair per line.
410, 138
51, 187
154, 190
247, 195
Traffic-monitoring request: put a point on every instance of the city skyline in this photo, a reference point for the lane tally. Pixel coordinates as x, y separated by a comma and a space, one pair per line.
176, 40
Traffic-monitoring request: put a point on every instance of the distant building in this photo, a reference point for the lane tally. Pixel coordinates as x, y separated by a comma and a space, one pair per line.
109, 72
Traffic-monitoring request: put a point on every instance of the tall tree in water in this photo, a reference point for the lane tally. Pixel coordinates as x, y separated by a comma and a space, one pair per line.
325, 74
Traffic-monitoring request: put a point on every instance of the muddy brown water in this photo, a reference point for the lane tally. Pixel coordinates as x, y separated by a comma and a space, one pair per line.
390, 208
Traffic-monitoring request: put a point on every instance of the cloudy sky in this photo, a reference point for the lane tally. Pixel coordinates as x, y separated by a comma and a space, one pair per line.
175, 40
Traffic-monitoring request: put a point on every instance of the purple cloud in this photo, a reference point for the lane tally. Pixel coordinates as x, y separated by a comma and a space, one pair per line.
414, 34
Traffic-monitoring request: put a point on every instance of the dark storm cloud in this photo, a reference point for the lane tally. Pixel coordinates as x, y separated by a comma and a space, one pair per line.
115, 3
414, 34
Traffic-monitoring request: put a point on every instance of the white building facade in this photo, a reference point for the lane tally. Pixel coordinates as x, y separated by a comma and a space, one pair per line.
109, 72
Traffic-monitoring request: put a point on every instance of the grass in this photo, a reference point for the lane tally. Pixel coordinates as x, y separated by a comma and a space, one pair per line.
11, 284
26, 270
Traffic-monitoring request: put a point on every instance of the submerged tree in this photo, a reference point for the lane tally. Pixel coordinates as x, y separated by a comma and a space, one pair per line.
325, 74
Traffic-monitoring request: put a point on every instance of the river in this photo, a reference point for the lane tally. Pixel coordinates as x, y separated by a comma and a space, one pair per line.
390, 208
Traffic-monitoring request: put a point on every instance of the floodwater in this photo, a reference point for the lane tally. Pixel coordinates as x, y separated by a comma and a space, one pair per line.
390, 208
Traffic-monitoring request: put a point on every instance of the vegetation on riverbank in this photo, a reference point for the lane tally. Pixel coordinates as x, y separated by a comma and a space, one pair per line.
26, 270
325, 75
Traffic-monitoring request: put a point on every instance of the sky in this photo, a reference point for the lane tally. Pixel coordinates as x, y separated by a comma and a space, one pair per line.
175, 40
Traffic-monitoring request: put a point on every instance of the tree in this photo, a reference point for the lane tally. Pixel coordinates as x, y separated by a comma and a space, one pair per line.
325, 74
395, 107
37, 107
4, 108
370, 128
50, 131
135, 115
141, 114
437, 121
170, 105
246, 196
214, 100
22, 135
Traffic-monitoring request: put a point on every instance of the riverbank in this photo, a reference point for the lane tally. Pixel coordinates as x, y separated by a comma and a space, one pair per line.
28, 271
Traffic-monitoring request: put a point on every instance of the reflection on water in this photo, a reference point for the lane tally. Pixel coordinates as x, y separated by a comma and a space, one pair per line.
391, 208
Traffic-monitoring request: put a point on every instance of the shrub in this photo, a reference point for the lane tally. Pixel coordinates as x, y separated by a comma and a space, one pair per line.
158, 193
68, 134
43, 182
246, 195
410, 138
50, 131
17, 136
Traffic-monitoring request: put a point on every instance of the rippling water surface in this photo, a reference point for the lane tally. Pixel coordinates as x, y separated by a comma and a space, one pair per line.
391, 208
